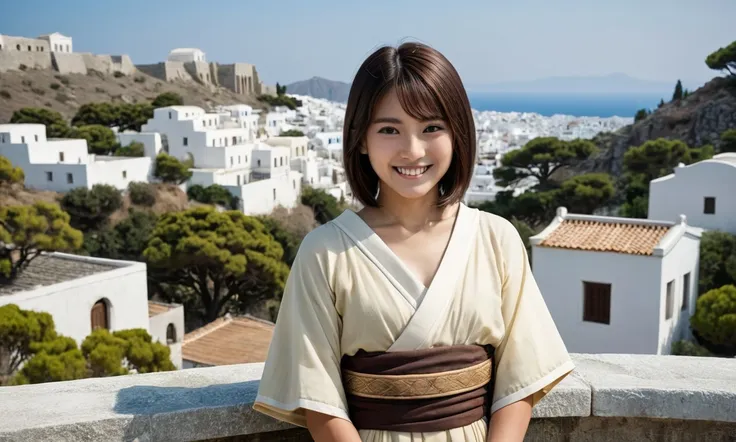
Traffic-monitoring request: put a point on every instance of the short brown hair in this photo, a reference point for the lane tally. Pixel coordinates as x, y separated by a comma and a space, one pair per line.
427, 85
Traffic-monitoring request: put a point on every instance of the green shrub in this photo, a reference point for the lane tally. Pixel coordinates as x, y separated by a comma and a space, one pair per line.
142, 194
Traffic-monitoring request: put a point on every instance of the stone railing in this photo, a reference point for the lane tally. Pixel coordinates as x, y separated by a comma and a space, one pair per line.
608, 397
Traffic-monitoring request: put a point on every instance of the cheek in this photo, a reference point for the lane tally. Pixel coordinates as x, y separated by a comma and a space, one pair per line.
441, 149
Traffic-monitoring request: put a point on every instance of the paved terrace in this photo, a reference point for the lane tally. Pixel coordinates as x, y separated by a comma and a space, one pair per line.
608, 398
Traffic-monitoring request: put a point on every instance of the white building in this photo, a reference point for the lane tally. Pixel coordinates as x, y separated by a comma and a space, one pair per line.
328, 144
276, 123
64, 164
618, 285
58, 42
703, 191
244, 117
186, 55
166, 323
83, 293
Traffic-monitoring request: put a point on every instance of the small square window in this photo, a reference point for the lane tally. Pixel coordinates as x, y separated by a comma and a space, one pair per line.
186, 141
69, 178
35, 137
61, 156
274, 194
596, 302
709, 205
125, 174
49, 176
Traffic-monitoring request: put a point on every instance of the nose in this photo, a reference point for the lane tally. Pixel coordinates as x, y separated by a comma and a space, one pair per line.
413, 149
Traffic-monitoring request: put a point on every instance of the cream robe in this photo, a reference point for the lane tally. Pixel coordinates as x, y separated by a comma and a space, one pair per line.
347, 291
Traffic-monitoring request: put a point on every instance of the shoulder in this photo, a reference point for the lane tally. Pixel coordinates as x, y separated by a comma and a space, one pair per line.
326, 239
498, 228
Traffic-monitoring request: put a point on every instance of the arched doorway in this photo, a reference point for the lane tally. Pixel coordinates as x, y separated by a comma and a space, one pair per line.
99, 315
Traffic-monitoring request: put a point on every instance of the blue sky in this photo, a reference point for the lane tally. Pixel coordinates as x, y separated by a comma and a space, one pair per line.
487, 41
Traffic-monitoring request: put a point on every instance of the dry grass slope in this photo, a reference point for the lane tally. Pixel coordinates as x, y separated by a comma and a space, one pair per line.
65, 93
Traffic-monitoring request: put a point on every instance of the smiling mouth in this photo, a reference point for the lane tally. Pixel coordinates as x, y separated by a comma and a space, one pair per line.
412, 171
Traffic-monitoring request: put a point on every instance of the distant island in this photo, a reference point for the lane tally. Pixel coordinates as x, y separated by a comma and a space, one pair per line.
616, 83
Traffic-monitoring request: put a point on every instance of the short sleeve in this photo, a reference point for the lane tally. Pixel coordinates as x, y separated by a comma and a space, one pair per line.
531, 358
302, 369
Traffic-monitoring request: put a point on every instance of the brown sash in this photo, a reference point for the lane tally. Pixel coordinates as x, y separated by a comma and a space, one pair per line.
433, 389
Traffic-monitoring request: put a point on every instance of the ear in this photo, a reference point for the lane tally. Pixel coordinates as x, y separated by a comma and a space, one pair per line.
363, 149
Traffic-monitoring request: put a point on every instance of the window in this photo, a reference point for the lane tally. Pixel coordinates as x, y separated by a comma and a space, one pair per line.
125, 174
293, 183
186, 141
239, 159
709, 205
274, 194
235, 140
69, 178
17, 47
596, 302
61, 156
35, 137
169, 115
685, 291
67, 48
668, 300
49, 176
29, 48
170, 334
281, 161
22, 139
231, 161
275, 162
238, 180
98, 316
56, 47
259, 163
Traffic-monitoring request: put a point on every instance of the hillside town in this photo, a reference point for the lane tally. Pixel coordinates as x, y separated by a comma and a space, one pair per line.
621, 270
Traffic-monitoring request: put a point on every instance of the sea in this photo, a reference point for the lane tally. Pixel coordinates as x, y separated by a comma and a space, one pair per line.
579, 105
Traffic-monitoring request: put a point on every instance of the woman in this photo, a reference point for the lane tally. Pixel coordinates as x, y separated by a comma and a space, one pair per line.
417, 317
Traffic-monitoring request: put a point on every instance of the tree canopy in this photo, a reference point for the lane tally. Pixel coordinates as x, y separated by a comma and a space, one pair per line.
134, 149
10, 174
226, 259
717, 260
167, 99
90, 208
170, 170
126, 240
56, 125
101, 140
325, 206
728, 141
677, 94
651, 160
18, 330
723, 59
214, 194
28, 231
540, 158
715, 319
586, 193
119, 352
291, 133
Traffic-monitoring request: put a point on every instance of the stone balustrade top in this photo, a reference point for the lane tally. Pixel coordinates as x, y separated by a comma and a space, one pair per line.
216, 402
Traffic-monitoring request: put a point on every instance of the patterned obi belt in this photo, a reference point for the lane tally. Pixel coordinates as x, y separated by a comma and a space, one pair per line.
433, 389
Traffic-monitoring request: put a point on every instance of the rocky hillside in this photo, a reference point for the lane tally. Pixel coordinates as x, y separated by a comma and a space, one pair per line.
65, 93
697, 120
318, 87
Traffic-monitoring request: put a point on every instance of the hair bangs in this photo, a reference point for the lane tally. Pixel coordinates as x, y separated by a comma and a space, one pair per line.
417, 98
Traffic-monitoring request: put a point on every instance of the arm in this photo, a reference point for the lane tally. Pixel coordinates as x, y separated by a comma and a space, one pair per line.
509, 424
325, 428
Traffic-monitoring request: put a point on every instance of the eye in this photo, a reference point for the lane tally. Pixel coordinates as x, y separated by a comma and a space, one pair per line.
388, 130
433, 128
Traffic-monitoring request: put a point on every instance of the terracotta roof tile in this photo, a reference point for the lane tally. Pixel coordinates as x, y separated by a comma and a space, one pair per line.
156, 308
632, 238
229, 340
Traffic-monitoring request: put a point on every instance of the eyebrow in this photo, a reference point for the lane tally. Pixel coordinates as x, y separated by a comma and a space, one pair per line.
395, 120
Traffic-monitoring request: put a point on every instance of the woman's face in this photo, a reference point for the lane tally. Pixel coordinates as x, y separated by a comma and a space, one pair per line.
409, 156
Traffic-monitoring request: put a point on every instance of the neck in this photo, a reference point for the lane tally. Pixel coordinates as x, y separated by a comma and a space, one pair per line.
413, 214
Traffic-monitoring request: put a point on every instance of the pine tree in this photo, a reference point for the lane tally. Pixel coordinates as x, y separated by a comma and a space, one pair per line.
677, 95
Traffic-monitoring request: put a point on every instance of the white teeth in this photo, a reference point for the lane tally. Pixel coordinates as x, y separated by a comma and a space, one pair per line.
414, 171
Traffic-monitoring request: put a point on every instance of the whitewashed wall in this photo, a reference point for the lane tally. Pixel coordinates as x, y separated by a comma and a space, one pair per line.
158, 326
151, 142
261, 197
635, 298
70, 303
119, 171
683, 258
684, 191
